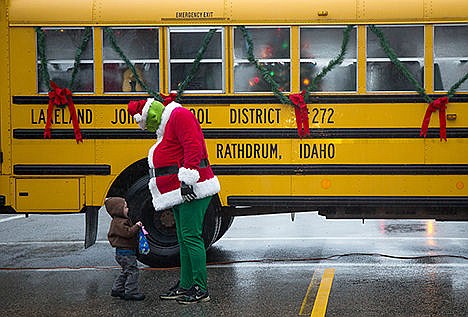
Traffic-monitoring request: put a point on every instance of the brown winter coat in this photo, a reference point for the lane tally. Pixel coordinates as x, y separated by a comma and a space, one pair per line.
122, 233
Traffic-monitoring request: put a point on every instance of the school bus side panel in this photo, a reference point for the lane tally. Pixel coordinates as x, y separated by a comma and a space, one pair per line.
5, 149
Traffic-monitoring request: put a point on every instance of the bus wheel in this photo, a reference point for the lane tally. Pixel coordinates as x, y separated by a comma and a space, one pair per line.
162, 237
226, 221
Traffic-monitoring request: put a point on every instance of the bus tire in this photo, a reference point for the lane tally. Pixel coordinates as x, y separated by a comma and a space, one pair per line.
226, 220
226, 223
162, 237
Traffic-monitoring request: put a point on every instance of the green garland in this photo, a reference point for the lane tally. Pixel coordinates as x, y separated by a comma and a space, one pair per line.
274, 86
404, 70
394, 59
315, 80
76, 65
195, 64
334, 62
110, 33
452, 90
265, 73
42, 56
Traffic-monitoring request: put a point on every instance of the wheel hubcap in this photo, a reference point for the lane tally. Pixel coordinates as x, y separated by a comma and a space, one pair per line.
167, 219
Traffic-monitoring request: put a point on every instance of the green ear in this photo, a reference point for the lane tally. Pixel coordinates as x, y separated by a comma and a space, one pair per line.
153, 120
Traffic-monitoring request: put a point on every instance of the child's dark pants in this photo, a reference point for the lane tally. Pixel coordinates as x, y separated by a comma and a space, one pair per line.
127, 281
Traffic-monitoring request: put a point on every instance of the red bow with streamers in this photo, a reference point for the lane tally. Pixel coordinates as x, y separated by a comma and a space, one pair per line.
302, 113
168, 98
438, 104
62, 97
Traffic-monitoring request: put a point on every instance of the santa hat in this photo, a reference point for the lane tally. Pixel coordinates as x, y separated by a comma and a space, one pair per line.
147, 113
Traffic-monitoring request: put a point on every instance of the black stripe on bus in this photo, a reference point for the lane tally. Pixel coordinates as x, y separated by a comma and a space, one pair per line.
214, 100
348, 201
341, 169
61, 169
255, 133
353, 207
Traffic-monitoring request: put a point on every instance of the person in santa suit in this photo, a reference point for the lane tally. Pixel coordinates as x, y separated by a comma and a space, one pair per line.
181, 178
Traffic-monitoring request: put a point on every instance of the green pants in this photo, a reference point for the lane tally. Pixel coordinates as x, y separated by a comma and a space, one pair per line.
189, 225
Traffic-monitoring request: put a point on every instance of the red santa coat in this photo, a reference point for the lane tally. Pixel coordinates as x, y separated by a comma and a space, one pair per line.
181, 143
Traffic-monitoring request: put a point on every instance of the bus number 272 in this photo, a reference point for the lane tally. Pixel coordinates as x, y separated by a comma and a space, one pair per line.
322, 115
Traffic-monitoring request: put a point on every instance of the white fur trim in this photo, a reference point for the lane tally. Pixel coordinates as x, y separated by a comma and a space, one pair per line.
168, 200
160, 132
207, 188
150, 154
154, 189
137, 117
144, 113
188, 175
165, 118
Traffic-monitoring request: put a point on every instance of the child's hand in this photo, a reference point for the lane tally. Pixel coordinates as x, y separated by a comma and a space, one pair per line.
139, 224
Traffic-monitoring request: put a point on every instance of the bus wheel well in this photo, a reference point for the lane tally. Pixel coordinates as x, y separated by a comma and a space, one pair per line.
128, 177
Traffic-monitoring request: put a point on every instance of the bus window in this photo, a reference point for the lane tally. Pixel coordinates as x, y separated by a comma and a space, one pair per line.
408, 44
61, 45
318, 46
141, 47
451, 55
184, 45
272, 49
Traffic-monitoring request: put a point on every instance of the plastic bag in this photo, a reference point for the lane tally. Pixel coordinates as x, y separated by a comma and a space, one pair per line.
143, 245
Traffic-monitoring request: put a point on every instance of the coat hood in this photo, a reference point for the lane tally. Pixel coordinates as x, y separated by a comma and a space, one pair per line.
115, 207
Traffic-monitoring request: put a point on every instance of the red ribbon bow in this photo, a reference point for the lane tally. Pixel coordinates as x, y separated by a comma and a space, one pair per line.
61, 97
438, 104
302, 114
168, 98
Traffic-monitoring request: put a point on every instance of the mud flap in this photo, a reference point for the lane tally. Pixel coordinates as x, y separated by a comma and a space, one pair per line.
92, 213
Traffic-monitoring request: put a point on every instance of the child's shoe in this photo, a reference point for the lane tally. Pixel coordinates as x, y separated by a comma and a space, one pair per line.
137, 296
115, 293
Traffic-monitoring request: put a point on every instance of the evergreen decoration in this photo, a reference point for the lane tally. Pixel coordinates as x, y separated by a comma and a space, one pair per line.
45, 78
314, 82
110, 34
41, 49
262, 69
195, 64
61, 97
297, 100
452, 90
76, 66
394, 59
338, 60
440, 104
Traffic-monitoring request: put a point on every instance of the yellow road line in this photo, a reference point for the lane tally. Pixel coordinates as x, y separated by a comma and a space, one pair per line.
313, 281
321, 300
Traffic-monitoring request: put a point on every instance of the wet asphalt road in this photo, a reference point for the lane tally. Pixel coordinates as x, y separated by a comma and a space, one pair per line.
263, 266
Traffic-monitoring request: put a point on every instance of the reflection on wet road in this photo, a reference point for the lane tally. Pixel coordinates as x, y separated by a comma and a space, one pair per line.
263, 266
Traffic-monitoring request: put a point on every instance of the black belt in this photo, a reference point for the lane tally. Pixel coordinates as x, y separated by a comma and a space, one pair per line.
173, 169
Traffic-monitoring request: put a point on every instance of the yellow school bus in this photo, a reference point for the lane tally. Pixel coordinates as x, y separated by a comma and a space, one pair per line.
354, 109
